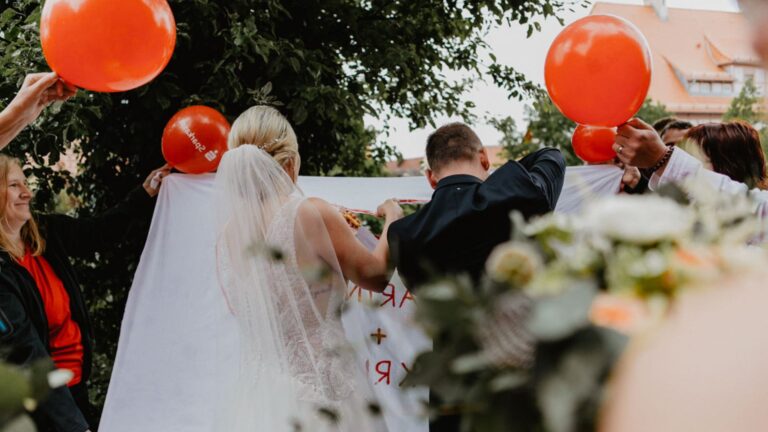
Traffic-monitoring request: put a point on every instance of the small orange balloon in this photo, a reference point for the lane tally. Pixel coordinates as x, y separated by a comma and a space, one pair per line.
594, 144
598, 70
195, 139
107, 45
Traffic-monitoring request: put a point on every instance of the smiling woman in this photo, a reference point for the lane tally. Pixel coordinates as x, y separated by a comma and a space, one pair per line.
20, 229
42, 310
40, 296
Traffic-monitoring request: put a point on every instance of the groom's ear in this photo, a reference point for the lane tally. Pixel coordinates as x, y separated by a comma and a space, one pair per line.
484, 159
431, 178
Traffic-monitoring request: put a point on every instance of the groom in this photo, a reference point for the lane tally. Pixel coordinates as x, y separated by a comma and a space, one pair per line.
468, 215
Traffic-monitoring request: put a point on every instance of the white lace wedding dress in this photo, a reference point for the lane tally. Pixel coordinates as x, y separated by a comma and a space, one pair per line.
283, 283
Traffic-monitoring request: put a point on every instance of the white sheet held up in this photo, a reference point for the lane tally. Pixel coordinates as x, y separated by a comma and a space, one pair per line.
586, 183
177, 351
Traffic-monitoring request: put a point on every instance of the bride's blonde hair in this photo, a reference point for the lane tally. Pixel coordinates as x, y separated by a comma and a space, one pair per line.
264, 127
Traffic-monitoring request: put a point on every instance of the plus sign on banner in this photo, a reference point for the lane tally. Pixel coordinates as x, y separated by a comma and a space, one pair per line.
380, 327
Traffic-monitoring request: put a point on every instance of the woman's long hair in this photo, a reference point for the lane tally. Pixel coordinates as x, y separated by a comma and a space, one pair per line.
734, 150
30, 234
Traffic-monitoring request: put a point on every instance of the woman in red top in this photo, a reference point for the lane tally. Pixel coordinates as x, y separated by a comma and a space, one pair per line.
42, 310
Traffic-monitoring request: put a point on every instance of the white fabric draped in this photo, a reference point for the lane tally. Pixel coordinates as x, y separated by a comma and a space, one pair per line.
178, 348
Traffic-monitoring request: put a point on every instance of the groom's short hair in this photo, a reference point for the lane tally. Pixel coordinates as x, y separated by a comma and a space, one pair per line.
450, 143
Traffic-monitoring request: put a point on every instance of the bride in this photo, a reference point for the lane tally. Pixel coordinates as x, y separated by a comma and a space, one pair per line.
283, 262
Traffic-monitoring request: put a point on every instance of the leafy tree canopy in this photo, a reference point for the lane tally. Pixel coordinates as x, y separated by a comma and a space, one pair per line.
749, 106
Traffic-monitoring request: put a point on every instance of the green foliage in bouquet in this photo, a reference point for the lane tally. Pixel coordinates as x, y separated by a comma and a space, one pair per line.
532, 346
22, 389
483, 366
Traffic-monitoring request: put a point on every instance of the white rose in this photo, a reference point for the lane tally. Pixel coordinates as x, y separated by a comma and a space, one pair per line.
549, 222
513, 263
643, 219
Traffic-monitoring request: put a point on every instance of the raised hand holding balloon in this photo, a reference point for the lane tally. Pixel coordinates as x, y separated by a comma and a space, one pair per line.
195, 139
598, 72
107, 45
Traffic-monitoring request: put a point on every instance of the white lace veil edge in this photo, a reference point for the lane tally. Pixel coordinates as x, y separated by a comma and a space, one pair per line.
280, 294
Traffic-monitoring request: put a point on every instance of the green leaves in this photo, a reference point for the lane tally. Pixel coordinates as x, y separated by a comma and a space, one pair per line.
747, 105
21, 390
558, 317
572, 375
561, 391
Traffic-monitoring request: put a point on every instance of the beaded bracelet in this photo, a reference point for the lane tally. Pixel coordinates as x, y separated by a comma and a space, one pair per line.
664, 159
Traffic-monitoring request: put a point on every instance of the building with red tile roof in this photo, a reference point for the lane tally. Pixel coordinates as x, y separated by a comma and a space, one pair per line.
701, 58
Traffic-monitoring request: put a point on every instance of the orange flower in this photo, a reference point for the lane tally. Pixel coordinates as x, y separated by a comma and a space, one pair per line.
624, 314
694, 258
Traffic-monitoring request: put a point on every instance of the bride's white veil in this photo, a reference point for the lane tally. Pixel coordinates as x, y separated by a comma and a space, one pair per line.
250, 189
282, 279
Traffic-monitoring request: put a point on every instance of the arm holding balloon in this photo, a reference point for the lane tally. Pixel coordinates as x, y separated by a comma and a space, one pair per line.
637, 144
37, 92
155, 179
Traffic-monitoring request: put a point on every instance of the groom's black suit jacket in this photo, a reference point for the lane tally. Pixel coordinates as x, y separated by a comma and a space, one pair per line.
467, 218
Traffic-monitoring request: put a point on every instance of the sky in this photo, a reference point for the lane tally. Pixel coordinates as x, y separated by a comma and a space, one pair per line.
526, 55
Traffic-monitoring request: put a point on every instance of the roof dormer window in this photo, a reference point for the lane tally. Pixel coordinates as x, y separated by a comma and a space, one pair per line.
710, 88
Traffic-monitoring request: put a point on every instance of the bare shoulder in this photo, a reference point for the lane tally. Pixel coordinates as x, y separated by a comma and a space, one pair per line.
318, 203
321, 206
330, 214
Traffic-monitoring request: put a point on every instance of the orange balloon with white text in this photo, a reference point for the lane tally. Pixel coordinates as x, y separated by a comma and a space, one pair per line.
195, 139
598, 70
594, 144
107, 45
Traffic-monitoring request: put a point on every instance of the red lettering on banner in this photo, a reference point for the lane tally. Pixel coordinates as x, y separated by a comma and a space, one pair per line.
384, 374
407, 296
359, 294
390, 296
407, 371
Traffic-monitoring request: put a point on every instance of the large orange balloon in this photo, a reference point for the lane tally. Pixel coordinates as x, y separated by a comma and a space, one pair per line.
195, 139
107, 45
598, 70
594, 143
